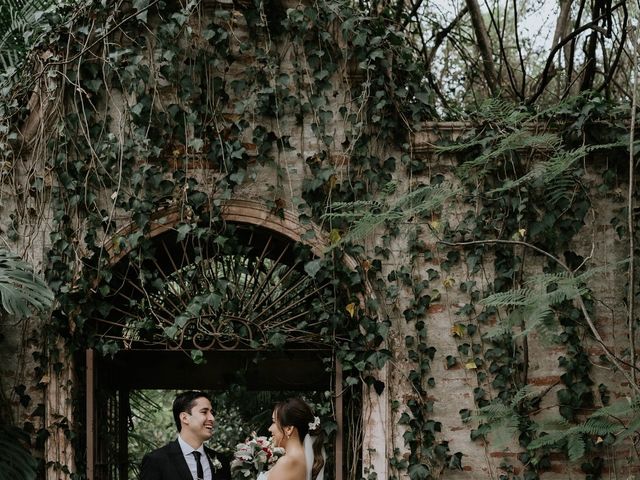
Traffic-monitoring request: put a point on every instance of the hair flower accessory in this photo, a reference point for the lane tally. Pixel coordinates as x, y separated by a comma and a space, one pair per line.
315, 424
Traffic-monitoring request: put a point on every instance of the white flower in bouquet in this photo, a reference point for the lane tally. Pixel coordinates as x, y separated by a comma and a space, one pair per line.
255, 455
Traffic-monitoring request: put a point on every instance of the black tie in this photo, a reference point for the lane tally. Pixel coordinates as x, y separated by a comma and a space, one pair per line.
199, 470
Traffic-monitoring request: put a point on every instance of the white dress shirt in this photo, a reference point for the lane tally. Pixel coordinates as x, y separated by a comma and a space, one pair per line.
187, 451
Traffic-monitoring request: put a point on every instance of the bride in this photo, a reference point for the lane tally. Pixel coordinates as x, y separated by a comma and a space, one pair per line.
293, 427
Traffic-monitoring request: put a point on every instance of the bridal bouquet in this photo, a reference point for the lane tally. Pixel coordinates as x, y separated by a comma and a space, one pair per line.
255, 455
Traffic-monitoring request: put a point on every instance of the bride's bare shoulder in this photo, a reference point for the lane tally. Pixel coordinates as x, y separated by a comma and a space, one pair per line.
289, 467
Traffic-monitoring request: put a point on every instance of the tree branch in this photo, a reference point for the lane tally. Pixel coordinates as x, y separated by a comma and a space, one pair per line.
484, 45
503, 52
519, 48
572, 49
545, 79
442, 34
563, 22
631, 298
601, 10
616, 61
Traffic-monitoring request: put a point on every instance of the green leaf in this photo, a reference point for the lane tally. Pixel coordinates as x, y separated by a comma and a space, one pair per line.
238, 177
21, 290
16, 462
141, 6
424, 97
183, 231
94, 85
196, 144
418, 471
277, 339
198, 357
312, 268
376, 54
350, 381
171, 331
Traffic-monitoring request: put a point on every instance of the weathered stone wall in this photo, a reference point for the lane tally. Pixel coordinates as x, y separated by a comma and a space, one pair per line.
454, 385
602, 248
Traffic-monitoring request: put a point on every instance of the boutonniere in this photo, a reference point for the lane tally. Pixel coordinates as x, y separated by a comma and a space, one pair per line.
216, 464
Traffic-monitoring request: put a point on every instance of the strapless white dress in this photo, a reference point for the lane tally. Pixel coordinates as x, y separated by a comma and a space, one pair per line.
308, 453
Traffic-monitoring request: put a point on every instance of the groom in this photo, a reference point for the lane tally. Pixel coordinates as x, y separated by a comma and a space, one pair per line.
187, 458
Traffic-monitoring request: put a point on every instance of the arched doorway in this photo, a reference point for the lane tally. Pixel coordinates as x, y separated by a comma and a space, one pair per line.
236, 298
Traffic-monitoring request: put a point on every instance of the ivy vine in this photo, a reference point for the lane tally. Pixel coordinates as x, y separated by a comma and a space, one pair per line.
203, 111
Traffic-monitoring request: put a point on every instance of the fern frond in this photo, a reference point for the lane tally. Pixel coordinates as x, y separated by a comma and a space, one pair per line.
560, 192
354, 206
587, 274
548, 440
548, 328
534, 316
503, 421
509, 298
621, 408
534, 173
504, 433
631, 429
460, 145
421, 200
493, 108
545, 279
355, 211
599, 426
575, 446
565, 292
532, 305
500, 329
553, 424
426, 198
525, 393
536, 319
566, 287
561, 162
514, 141
495, 411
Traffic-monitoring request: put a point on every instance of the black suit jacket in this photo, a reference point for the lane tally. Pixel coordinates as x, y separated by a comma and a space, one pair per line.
168, 463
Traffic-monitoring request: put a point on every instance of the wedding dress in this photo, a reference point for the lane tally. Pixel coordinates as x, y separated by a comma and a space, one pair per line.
308, 454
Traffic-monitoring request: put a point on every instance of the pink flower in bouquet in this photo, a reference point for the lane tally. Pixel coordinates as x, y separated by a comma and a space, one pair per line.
255, 455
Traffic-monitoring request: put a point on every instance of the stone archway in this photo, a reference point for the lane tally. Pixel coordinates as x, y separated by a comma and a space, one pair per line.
274, 234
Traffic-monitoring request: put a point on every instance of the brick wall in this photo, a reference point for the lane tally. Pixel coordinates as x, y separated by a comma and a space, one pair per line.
454, 385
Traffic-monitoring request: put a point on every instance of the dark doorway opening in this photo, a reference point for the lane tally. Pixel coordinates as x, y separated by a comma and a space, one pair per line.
194, 312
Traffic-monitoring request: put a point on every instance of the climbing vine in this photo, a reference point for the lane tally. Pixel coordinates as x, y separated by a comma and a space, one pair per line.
150, 108
511, 226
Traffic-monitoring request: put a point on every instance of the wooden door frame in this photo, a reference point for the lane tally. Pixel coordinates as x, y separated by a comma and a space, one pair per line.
131, 376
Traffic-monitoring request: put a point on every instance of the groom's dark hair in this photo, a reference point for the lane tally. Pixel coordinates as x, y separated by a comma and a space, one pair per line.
184, 402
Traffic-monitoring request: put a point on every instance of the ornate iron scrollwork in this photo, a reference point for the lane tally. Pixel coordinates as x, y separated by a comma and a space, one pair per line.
244, 299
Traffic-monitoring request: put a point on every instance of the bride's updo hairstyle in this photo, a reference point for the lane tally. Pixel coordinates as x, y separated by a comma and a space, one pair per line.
296, 413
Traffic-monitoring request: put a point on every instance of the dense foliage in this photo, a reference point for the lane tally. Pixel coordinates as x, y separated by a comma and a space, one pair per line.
22, 293
189, 93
